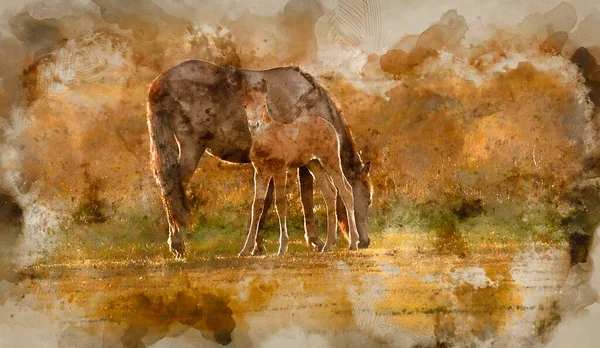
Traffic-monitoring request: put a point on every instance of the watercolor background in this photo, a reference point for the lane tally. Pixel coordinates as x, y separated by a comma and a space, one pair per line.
480, 119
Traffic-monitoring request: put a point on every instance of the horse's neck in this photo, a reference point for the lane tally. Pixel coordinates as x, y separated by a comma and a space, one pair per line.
351, 161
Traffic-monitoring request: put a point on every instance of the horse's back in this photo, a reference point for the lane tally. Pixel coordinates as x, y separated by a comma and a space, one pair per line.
205, 102
195, 70
291, 92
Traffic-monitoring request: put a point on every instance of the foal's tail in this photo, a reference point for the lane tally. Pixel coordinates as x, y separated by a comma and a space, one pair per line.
165, 158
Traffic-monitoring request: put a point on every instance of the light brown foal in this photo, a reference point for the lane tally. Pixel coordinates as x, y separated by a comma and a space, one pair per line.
278, 148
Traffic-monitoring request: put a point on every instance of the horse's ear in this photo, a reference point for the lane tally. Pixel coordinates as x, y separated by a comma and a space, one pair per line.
365, 169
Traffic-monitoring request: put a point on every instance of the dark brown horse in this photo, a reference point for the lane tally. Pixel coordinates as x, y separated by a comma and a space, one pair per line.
197, 106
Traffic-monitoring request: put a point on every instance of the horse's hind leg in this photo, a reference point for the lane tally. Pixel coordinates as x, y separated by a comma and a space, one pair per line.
305, 180
167, 169
190, 153
330, 196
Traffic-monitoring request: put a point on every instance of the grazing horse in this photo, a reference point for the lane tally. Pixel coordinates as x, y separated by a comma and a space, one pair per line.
279, 147
196, 107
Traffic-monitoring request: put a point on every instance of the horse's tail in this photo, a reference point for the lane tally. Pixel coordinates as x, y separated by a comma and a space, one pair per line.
165, 156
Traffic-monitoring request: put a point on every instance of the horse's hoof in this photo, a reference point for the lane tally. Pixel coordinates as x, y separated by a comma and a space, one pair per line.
364, 244
177, 247
316, 243
353, 247
243, 253
179, 255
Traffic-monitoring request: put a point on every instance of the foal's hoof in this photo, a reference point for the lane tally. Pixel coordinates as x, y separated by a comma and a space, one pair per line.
283, 248
363, 244
328, 248
316, 243
258, 250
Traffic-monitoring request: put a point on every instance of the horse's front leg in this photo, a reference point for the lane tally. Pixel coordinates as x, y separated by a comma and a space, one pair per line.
329, 193
333, 168
261, 183
306, 195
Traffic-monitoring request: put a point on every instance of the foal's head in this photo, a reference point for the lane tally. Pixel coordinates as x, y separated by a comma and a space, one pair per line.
255, 103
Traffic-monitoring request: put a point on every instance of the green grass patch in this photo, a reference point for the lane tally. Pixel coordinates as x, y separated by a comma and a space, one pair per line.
399, 225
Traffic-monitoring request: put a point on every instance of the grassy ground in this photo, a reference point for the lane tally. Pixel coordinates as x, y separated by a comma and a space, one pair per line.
138, 238
117, 282
421, 281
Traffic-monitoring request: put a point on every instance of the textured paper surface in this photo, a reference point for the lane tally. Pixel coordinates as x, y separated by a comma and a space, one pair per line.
479, 119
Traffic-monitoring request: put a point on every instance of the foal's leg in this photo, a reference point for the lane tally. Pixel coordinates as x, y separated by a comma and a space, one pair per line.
333, 167
281, 207
259, 248
306, 196
261, 183
330, 196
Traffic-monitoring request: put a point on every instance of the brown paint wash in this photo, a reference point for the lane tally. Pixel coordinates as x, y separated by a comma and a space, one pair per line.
128, 303
278, 148
413, 144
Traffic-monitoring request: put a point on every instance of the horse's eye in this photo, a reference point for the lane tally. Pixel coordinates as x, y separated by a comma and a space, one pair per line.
244, 106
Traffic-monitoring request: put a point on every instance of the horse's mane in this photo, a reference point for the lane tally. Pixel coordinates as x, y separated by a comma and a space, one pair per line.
348, 145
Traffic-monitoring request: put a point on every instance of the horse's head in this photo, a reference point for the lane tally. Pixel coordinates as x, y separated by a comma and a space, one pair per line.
362, 190
255, 104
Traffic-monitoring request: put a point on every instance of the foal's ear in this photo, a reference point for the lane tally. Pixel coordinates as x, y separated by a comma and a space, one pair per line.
262, 86
244, 85
365, 169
